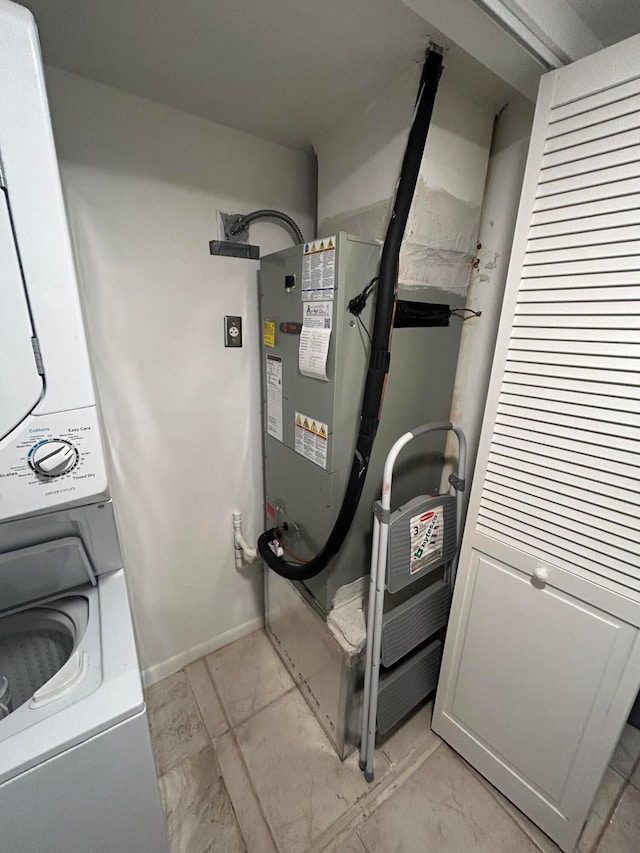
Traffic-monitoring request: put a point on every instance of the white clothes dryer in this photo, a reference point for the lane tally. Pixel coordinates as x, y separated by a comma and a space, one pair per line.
50, 452
76, 767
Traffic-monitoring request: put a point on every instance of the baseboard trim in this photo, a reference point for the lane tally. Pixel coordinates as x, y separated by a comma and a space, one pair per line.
167, 667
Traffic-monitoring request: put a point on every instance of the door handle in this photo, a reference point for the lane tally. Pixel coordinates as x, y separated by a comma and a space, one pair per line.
540, 577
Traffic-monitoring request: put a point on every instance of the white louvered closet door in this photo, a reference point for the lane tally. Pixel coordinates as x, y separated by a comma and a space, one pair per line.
542, 658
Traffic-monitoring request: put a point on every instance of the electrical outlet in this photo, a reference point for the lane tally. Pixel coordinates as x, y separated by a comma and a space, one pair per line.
233, 331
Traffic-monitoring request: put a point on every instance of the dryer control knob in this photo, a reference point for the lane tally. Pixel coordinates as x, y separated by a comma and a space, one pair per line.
53, 457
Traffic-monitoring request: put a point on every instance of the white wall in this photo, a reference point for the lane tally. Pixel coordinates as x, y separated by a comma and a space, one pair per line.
359, 164
143, 183
463, 197
500, 207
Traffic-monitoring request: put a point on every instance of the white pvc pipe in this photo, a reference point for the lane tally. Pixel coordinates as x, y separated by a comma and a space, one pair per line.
244, 553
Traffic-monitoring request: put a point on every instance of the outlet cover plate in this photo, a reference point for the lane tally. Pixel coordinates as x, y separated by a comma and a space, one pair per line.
233, 331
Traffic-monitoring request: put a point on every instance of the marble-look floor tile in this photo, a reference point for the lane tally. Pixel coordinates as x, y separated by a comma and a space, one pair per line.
443, 807
351, 844
413, 735
248, 675
627, 752
608, 793
533, 832
635, 776
601, 810
206, 698
302, 785
176, 727
623, 833
243, 799
199, 816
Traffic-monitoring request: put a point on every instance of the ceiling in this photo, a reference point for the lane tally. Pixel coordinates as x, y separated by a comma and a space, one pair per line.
285, 70
288, 70
610, 20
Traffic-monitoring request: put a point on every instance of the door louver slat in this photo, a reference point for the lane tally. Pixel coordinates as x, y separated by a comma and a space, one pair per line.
587, 165
599, 131
575, 534
587, 103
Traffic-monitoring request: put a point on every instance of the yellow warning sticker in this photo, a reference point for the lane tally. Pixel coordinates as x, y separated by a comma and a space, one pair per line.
324, 245
269, 333
311, 439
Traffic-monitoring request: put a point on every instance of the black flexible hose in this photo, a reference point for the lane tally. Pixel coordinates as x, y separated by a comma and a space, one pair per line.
268, 214
381, 338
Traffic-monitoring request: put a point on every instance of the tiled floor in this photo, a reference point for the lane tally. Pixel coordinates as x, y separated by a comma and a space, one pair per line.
244, 766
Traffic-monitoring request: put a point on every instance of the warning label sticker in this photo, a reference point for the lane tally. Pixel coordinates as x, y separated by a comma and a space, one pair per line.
312, 437
269, 333
427, 535
274, 396
315, 339
319, 269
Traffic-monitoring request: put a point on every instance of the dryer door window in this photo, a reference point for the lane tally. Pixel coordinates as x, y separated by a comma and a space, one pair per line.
20, 383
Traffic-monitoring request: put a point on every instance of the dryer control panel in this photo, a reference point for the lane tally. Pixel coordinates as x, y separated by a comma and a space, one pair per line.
52, 461
53, 457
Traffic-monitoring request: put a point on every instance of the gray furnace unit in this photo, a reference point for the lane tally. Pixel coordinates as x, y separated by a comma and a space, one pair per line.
314, 362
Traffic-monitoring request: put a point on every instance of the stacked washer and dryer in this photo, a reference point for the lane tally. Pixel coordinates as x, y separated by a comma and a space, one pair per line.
76, 767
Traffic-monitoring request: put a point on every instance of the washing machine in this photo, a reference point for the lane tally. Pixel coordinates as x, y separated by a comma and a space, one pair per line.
76, 766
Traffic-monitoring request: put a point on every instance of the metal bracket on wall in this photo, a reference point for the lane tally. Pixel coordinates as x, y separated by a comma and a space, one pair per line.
234, 250
228, 221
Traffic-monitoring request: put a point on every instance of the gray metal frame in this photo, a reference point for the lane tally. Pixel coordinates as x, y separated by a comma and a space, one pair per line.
377, 580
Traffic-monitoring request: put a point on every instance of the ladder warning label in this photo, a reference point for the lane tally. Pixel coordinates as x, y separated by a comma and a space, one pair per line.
427, 536
319, 269
311, 439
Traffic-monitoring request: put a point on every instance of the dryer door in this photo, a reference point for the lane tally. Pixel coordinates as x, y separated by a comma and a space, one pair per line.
20, 383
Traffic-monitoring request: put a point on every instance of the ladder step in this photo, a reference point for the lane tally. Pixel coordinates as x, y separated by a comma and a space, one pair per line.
414, 621
401, 690
422, 537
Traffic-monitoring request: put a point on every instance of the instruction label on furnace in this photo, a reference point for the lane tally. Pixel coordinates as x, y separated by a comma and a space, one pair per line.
319, 269
274, 396
427, 536
312, 437
315, 338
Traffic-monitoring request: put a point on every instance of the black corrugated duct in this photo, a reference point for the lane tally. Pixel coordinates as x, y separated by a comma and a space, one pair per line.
381, 339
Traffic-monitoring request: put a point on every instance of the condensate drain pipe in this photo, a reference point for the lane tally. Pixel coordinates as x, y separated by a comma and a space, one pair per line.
244, 553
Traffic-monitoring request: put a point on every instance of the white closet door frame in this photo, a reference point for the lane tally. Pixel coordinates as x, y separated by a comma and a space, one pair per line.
611, 67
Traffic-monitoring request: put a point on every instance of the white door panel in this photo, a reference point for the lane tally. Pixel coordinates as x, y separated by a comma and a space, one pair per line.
20, 382
535, 682
549, 652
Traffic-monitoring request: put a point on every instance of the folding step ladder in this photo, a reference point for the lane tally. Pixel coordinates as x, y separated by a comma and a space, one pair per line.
414, 551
